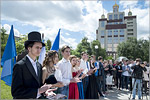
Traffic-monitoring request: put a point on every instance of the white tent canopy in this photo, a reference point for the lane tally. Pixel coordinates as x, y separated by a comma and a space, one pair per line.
120, 58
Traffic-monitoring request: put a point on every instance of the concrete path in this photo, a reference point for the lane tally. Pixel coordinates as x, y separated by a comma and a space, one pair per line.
121, 95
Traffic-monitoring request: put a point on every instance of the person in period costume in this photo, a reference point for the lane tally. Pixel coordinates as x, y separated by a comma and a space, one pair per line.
27, 73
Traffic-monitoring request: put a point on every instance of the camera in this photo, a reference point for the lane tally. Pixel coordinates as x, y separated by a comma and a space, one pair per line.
141, 63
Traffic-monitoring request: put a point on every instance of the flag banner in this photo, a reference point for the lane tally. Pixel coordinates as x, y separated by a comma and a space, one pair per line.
9, 58
55, 45
42, 55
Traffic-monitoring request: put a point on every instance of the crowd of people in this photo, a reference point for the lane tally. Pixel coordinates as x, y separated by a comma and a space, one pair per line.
87, 77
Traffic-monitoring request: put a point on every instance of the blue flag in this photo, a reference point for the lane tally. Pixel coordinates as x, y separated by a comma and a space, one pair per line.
9, 58
56, 42
42, 55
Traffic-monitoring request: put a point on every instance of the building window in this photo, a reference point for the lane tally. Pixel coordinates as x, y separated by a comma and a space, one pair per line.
115, 22
121, 16
102, 23
102, 40
115, 16
121, 31
130, 19
130, 25
110, 23
110, 17
115, 9
109, 32
129, 22
121, 39
115, 32
115, 40
130, 33
109, 40
129, 30
102, 33
120, 22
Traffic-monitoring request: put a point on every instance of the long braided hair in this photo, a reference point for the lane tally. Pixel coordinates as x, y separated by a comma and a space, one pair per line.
49, 58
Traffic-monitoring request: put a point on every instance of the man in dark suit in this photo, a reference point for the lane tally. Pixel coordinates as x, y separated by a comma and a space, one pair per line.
27, 73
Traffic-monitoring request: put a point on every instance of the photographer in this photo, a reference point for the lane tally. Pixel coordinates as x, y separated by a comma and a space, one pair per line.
137, 77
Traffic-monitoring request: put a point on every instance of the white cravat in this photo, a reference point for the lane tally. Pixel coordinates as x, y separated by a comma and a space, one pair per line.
33, 64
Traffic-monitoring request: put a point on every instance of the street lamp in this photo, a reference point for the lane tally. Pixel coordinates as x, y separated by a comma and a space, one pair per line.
96, 47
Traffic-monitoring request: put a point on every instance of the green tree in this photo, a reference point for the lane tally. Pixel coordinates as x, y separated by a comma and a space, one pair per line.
4, 38
20, 43
134, 48
3, 33
99, 51
48, 46
83, 46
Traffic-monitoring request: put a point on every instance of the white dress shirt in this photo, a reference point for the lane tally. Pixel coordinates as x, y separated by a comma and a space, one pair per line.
33, 64
83, 66
65, 68
58, 74
35, 68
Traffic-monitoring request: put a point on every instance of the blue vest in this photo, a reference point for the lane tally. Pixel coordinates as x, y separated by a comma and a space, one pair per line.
96, 73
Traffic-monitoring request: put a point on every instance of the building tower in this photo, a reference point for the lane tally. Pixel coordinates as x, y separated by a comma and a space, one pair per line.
114, 29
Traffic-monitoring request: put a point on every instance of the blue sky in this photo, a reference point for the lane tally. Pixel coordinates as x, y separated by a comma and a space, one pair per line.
76, 19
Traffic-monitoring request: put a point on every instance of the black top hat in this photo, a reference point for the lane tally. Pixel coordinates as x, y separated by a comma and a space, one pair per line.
33, 37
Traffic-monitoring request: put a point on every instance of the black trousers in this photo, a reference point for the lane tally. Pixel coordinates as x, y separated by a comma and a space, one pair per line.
118, 81
98, 83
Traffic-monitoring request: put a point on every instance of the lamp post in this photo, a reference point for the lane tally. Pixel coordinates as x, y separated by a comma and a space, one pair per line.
96, 47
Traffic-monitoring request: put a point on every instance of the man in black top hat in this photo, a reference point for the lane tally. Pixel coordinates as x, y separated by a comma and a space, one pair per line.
27, 73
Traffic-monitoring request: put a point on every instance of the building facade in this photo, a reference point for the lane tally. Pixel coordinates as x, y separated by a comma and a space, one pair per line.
114, 29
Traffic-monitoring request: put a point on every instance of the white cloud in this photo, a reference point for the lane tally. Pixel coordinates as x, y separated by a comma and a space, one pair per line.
8, 27
127, 4
67, 34
52, 15
69, 41
147, 3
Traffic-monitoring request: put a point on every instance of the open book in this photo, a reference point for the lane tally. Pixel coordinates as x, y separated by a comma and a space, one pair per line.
57, 96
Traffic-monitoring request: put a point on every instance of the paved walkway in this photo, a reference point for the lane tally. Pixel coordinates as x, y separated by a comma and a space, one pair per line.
121, 95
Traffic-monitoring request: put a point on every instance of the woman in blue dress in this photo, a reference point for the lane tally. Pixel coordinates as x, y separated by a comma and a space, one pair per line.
80, 84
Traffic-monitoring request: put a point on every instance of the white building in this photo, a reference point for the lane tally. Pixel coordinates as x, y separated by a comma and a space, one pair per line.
114, 29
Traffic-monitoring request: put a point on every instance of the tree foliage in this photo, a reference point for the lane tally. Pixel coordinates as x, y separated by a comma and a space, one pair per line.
99, 51
48, 45
20, 43
134, 48
83, 46
4, 38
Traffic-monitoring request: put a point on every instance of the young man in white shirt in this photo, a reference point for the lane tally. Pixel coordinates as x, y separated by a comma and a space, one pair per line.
86, 71
65, 67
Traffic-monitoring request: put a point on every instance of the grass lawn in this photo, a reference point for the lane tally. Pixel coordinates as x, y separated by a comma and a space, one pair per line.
5, 90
